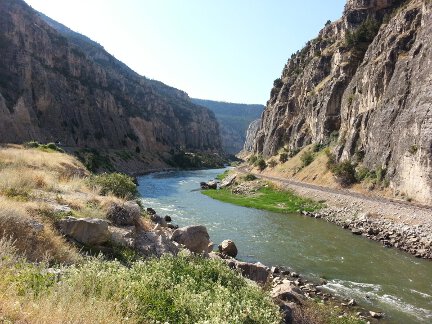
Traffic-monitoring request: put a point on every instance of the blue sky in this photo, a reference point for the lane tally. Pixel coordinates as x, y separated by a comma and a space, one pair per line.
227, 50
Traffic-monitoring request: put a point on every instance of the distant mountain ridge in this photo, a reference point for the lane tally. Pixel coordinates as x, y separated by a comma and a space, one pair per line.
234, 120
58, 85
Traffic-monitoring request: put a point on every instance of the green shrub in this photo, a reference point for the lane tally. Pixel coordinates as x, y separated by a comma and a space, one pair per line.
362, 173
413, 149
333, 137
283, 157
252, 159
261, 164
272, 163
363, 35
307, 158
344, 173
249, 177
93, 160
31, 144
294, 152
120, 185
318, 147
44, 147
277, 83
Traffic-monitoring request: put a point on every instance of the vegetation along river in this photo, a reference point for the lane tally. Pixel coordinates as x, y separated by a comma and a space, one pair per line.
378, 278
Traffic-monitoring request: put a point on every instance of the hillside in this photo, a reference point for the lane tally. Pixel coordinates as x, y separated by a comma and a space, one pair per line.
363, 86
234, 120
59, 86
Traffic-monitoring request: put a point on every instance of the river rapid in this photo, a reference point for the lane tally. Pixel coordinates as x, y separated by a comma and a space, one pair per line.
378, 278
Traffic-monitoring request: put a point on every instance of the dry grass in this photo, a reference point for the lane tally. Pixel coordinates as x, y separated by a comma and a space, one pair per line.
33, 185
36, 240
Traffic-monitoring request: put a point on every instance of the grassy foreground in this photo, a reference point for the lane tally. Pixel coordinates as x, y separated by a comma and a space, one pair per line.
266, 198
180, 289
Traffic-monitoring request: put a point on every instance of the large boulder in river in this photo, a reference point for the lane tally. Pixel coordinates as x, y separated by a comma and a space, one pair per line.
195, 238
125, 214
228, 248
89, 231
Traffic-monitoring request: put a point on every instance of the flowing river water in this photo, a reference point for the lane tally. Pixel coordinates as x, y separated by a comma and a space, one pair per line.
378, 278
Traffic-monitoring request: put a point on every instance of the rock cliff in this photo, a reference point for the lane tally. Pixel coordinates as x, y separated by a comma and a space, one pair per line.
251, 134
234, 120
57, 85
366, 79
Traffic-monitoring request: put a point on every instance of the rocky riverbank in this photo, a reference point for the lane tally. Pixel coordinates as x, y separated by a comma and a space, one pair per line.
414, 239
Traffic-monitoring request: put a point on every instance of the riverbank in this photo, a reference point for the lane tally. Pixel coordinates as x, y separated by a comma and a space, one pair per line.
403, 226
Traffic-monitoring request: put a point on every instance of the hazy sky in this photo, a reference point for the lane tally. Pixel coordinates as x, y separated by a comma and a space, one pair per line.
228, 50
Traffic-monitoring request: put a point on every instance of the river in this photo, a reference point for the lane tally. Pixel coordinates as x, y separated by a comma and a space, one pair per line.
378, 278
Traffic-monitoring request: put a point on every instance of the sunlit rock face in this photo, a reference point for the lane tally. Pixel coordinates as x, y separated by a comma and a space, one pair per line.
374, 96
57, 85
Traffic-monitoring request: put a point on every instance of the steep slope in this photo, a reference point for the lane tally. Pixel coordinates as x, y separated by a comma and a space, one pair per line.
234, 120
56, 85
366, 79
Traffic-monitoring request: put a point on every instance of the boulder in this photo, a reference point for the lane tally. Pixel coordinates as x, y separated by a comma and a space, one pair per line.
195, 238
151, 244
228, 181
229, 248
287, 292
168, 219
122, 236
89, 231
286, 310
124, 215
356, 231
36, 226
151, 211
155, 218
253, 271
375, 314
209, 185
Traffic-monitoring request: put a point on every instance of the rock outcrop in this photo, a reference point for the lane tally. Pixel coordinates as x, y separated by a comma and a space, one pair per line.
366, 80
59, 86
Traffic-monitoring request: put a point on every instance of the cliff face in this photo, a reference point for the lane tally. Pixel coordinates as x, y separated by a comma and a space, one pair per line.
56, 85
234, 120
368, 79
251, 134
